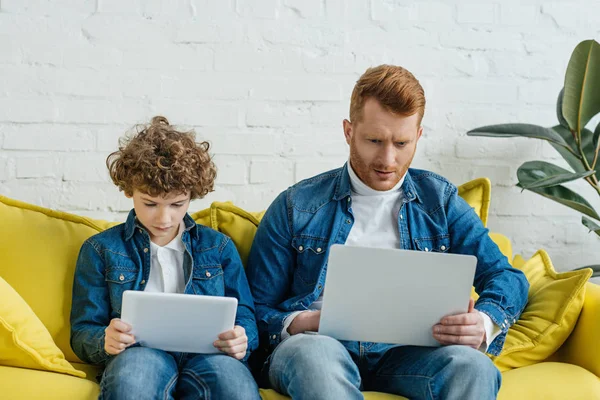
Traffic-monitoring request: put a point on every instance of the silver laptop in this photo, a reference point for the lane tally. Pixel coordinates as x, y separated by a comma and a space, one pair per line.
393, 296
178, 322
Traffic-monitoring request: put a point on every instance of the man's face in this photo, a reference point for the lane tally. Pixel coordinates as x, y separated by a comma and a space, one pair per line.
382, 145
161, 216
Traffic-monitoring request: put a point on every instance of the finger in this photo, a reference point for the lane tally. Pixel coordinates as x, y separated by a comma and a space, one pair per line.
460, 319
230, 343
454, 339
120, 326
471, 305
238, 356
459, 330
239, 330
235, 349
228, 335
112, 350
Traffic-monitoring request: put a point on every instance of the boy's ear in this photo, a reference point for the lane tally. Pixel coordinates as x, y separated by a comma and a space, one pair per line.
129, 196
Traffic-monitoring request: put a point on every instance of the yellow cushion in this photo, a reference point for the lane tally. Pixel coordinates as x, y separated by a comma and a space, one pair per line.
549, 381
38, 251
238, 224
24, 340
28, 384
554, 303
270, 394
477, 193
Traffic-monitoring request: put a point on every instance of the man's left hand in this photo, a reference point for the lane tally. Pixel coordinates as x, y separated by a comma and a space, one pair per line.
233, 342
464, 329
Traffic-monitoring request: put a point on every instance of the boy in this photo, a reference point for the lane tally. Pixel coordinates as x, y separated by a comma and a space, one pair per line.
160, 248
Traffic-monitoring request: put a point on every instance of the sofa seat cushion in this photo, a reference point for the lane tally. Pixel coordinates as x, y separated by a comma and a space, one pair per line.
27, 384
549, 381
270, 394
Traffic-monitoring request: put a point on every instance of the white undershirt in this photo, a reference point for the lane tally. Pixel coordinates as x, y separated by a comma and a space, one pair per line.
376, 225
166, 266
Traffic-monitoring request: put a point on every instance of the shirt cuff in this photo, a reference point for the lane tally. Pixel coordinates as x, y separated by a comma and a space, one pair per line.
491, 332
287, 322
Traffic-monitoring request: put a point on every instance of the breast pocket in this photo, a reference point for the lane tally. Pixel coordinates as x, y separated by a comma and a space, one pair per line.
208, 280
119, 279
438, 244
310, 258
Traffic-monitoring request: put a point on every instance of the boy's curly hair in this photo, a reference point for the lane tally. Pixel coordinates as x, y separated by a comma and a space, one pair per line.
158, 160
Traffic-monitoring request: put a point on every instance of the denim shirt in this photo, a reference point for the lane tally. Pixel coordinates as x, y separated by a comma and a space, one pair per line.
118, 259
288, 260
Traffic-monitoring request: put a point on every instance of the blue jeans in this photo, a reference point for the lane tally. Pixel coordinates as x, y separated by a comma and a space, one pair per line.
141, 373
315, 367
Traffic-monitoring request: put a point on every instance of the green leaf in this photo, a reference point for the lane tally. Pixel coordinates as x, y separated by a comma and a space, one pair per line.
558, 193
546, 174
559, 114
591, 225
573, 160
522, 130
581, 98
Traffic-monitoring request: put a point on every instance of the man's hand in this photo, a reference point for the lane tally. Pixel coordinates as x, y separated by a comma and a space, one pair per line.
465, 329
305, 321
116, 338
233, 342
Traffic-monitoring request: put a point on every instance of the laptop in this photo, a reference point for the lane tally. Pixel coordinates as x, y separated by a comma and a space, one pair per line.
393, 296
178, 322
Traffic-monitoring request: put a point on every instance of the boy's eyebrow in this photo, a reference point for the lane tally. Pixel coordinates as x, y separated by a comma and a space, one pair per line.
152, 201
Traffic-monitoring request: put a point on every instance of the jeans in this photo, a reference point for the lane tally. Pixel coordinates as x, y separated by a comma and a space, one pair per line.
315, 367
141, 373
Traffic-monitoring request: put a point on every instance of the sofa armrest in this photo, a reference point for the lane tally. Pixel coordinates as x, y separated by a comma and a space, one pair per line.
583, 346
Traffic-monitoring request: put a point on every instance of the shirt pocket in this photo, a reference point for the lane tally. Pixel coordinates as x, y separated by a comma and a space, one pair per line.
119, 279
208, 280
310, 258
436, 244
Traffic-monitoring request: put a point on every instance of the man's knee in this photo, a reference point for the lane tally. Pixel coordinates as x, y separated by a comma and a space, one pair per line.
466, 363
304, 351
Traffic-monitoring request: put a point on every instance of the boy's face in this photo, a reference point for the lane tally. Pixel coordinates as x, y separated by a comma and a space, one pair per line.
161, 216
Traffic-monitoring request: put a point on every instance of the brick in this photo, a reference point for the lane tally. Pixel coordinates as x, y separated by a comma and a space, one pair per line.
120, 7
185, 85
231, 170
38, 166
10, 51
312, 34
475, 13
497, 148
107, 136
87, 167
519, 14
174, 57
400, 12
309, 168
6, 169
305, 8
28, 110
91, 55
540, 92
296, 89
205, 31
128, 31
101, 111
266, 9
272, 170
435, 11
481, 40
197, 113
562, 15
79, 195
277, 114
480, 91
241, 144
44, 7
48, 137
245, 58
340, 61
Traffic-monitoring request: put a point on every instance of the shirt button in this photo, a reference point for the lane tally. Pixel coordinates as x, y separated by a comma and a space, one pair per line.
349, 199
401, 217
121, 277
348, 221
300, 248
140, 230
143, 281
145, 250
319, 287
207, 274
443, 248
274, 337
319, 249
426, 249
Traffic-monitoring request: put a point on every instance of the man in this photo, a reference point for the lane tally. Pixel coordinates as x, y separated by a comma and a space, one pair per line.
376, 200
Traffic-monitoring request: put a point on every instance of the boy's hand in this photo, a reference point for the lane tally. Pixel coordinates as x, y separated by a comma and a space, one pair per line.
116, 338
305, 321
466, 329
233, 342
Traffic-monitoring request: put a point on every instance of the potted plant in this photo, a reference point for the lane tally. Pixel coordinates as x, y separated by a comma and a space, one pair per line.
578, 102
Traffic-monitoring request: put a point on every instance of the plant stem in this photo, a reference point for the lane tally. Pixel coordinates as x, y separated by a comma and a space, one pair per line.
596, 154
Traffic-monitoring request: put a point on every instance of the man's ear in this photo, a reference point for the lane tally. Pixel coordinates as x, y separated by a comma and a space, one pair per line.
419, 132
347, 130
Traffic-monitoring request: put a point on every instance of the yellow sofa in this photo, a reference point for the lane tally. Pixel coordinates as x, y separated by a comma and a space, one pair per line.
39, 247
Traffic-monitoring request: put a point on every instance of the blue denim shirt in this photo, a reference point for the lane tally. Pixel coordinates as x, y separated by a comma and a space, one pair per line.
288, 260
118, 259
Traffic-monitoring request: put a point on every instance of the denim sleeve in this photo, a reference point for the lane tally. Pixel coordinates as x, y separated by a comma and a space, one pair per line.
270, 268
502, 289
90, 310
236, 285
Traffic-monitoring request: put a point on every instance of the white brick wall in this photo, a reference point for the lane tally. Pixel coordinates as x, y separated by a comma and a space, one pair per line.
268, 84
